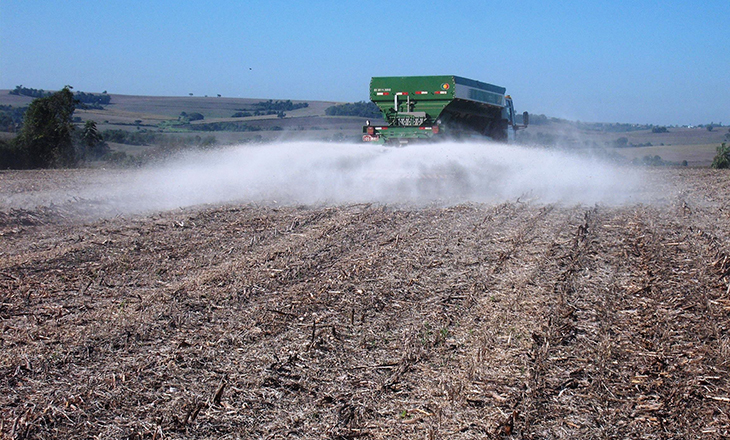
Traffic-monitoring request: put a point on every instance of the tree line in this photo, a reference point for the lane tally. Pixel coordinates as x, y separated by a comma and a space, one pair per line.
244, 114
278, 106
82, 97
33, 93
269, 107
361, 109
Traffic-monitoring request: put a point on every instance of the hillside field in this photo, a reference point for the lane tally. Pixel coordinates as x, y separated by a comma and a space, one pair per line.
153, 113
157, 114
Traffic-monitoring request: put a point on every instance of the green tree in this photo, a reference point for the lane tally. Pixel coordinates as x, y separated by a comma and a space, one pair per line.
46, 137
92, 142
722, 159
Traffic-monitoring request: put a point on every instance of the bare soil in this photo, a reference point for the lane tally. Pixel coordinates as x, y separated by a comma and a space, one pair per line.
513, 320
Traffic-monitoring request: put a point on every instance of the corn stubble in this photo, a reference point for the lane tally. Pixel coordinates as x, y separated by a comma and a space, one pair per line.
509, 320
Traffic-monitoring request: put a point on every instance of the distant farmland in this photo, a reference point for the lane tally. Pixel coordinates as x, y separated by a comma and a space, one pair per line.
160, 114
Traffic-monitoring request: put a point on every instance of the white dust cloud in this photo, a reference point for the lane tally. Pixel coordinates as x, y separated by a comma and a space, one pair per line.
328, 173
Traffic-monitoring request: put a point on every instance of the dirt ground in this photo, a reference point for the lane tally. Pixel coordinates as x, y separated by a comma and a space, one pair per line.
512, 320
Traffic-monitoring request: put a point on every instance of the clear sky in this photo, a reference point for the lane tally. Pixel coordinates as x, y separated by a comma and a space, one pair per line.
661, 62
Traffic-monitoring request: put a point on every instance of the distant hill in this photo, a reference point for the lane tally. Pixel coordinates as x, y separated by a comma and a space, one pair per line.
234, 120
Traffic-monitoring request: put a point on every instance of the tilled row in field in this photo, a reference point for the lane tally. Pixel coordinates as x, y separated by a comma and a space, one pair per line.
363, 321
637, 340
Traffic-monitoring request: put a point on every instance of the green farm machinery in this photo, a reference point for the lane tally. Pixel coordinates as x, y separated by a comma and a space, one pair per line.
429, 108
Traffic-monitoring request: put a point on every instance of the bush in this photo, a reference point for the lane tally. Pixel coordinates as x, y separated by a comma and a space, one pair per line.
188, 117
722, 159
91, 144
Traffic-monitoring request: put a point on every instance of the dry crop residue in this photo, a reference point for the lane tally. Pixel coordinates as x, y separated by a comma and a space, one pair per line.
477, 321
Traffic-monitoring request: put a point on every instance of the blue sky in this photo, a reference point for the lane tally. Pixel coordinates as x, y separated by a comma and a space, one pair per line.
660, 62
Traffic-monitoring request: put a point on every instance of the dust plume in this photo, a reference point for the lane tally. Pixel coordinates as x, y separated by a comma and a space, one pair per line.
330, 173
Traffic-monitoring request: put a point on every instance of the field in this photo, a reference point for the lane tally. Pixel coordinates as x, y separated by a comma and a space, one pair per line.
127, 108
128, 112
513, 319
695, 145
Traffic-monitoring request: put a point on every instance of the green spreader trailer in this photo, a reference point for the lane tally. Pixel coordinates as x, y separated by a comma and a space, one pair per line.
429, 108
